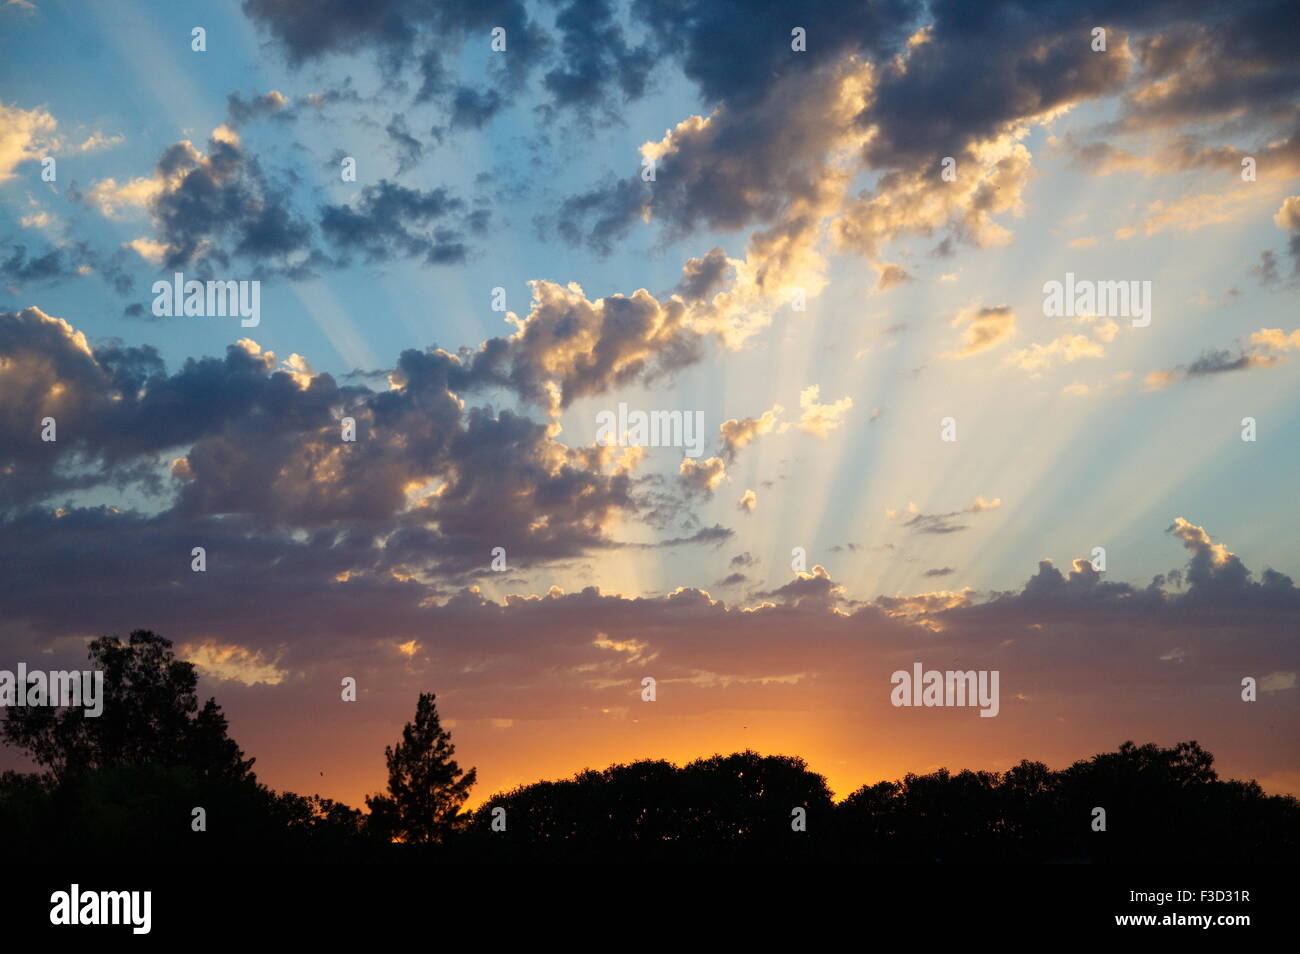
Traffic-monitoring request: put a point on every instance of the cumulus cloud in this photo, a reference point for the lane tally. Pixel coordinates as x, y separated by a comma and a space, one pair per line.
820, 419
736, 434
702, 476
28, 135
255, 440
208, 207
1288, 219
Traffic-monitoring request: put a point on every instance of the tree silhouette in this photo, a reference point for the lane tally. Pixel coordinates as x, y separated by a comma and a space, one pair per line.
721, 808
151, 716
426, 788
125, 784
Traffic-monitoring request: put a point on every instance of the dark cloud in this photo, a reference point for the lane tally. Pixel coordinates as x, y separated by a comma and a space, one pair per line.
737, 50
19, 268
980, 70
967, 79
220, 205
940, 571
401, 35
241, 111
1265, 350
600, 216
594, 57
389, 220
748, 163
64, 263
944, 523
808, 590
1217, 61
246, 437
1266, 271
409, 149
703, 277
473, 108
1217, 362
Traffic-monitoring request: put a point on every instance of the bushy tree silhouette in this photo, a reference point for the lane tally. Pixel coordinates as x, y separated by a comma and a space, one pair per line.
426, 788
125, 783
726, 807
151, 716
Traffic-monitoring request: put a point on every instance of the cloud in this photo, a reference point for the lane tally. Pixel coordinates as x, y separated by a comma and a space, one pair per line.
1265, 349
208, 208
232, 663
391, 221
257, 442
1288, 216
1266, 271
1277, 682
1068, 348
595, 59
1288, 219
941, 523
409, 149
892, 275
702, 476
775, 146
748, 501
1275, 339
985, 328
736, 434
1190, 213
820, 419
1198, 71
241, 111
407, 35
27, 135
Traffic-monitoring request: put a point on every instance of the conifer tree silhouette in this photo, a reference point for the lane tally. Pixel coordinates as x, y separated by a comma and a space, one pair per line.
426, 788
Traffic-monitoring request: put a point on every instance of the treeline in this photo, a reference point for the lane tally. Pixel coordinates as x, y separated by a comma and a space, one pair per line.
125, 786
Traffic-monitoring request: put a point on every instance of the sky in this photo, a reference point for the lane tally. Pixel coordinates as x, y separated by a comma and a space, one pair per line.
828, 230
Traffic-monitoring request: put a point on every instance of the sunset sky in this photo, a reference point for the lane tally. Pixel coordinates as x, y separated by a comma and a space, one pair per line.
781, 177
